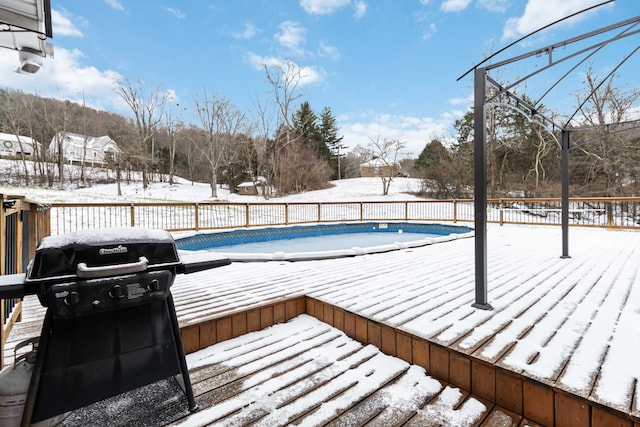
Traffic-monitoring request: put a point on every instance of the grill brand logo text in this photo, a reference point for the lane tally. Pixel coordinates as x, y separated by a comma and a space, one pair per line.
117, 250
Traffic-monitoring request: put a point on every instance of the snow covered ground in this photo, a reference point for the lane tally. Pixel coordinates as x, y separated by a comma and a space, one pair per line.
357, 189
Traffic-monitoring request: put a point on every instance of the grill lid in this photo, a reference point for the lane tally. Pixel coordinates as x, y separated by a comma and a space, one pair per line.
86, 253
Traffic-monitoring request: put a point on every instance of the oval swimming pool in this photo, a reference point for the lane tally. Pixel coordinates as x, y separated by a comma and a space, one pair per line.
306, 242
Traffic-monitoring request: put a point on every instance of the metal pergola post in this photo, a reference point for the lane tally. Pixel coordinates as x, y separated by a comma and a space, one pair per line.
481, 81
564, 166
480, 187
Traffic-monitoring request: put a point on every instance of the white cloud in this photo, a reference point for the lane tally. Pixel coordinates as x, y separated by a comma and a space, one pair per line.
495, 5
323, 7
175, 12
537, 13
468, 101
115, 4
62, 25
361, 9
454, 5
291, 36
247, 32
171, 96
307, 74
311, 75
429, 32
328, 51
63, 78
414, 131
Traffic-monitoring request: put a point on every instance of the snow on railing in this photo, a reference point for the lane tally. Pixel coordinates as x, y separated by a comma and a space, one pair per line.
592, 212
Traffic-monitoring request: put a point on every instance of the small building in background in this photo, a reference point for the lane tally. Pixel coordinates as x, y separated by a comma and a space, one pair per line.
76, 148
378, 167
15, 146
251, 188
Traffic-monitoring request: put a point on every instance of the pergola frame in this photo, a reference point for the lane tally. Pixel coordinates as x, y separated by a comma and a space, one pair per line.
504, 96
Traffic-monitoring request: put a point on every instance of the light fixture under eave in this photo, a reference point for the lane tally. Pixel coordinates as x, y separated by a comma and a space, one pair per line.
25, 25
30, 61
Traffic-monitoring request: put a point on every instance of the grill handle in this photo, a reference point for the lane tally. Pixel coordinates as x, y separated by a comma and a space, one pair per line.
201, 265
199, 261
86, 272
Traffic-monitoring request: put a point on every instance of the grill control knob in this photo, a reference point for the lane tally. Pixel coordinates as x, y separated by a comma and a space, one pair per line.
154, 285
116, 292
72, 299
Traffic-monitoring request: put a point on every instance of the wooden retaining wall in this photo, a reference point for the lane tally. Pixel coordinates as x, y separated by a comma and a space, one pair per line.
527, 397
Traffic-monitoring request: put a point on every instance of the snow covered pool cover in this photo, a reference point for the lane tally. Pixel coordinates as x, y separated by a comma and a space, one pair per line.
323, 241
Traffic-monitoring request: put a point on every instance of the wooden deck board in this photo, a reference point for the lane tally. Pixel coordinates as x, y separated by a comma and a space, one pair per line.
499, 417
375, 409
357, 388
450, 407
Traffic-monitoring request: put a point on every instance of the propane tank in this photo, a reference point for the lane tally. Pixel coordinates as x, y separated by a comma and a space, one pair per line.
14, 384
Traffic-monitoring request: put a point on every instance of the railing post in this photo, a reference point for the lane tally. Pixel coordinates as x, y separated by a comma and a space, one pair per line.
3, 245
286, 213
361, 211
455, 211
319, 212
500, 206
132, 215
3, 236
3, 338
196, 216
406, 211
246, 215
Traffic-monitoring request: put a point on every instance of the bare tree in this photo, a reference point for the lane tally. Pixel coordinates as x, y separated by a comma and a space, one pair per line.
30, 124
353, 159
257, 150
609, 155
192, 149
222, 122
386, 151
284, 80
147, 109
14, 114
85, 138
58, 117
173, 126
544, 144
305, 172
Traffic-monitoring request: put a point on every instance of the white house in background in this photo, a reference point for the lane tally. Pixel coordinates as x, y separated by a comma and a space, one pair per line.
14, 146
77, 148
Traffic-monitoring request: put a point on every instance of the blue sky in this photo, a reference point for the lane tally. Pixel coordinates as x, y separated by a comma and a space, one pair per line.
386, 68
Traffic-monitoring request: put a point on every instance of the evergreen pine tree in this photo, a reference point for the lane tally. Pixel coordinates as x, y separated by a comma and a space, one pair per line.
304, 123
329, 134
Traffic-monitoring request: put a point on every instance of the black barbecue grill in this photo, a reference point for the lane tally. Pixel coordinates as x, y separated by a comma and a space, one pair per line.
110, 324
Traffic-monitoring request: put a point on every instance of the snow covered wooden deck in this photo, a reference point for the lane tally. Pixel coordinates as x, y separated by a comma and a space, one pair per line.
308, 373
559, 348
304, 372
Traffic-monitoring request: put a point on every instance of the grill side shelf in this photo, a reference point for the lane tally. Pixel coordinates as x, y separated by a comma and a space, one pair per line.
12, 286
